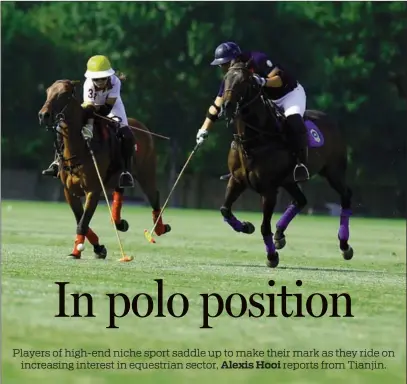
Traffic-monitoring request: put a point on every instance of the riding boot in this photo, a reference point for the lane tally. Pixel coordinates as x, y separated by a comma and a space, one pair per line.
126, 179
127, 144
53, 169
299, 138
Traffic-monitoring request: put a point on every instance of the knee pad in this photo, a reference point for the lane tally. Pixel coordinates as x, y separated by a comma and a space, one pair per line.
127, 134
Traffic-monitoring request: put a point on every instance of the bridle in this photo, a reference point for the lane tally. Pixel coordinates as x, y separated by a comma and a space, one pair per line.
56, 129
241, 106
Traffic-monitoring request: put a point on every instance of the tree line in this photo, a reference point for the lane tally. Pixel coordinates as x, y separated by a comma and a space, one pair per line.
350, 57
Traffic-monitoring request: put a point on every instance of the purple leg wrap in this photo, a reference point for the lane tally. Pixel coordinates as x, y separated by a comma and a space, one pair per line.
234, 223
343, 233
268, 241
288, 215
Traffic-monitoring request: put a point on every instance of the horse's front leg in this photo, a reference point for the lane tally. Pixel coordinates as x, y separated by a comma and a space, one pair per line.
233, 190
82, 230
77, 209
269, 202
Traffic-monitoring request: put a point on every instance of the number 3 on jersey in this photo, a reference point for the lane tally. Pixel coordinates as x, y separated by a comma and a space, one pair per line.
91, 94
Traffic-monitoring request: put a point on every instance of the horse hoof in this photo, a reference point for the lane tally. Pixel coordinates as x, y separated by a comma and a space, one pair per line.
162, 229
348, 253
273, 260
100, 251
123, 226
73, 257
248, 227
280, 242
225, 212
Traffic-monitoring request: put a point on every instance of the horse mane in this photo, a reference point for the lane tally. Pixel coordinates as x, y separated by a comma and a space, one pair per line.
237, 64
73, 82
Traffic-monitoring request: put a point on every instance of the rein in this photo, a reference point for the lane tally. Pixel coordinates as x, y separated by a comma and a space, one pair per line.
56, 130
238, 138
239, 108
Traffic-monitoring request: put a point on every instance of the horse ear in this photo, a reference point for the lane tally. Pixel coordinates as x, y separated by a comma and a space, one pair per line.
74, 83
249, 62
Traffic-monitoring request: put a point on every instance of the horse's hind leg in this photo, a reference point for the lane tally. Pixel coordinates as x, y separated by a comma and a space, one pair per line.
77, 209
336, 179
269, 202
121, 224
233, 190
147, 183
298, 203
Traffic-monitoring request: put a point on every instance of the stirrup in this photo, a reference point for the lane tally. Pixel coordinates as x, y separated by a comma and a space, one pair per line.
128, 178
303, 169
225, 177
52, 170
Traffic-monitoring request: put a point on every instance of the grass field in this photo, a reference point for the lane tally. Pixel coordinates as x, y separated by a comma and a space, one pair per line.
201, 255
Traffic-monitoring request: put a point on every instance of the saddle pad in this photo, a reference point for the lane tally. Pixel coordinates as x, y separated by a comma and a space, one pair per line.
315, 137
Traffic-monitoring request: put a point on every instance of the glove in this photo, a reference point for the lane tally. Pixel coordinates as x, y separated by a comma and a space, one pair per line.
201, 136
87, 131
260, 80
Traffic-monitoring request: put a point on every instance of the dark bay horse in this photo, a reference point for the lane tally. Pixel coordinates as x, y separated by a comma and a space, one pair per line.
260, 159
62, 112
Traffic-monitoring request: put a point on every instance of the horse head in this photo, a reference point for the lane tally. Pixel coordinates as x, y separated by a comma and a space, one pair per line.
59, 96
244, 101
239, 89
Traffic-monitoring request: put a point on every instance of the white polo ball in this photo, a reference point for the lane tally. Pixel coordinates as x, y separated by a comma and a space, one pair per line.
80, 247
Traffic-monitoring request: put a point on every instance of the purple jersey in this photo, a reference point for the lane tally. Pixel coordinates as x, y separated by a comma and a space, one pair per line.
262, 65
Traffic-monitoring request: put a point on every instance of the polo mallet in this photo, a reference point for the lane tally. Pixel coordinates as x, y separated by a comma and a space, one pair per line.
148, 235
124, 257
130, 126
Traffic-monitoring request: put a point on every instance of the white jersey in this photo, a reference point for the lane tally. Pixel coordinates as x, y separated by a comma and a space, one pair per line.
99, 97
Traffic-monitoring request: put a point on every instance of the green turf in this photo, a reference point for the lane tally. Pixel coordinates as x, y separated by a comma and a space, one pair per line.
201, 255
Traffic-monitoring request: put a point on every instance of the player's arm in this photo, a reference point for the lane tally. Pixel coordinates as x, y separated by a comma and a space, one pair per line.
89, 94
213, 113
274, 79
89, 104
111, 99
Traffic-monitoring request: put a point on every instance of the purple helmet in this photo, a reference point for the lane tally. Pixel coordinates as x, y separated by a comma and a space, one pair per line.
226, 52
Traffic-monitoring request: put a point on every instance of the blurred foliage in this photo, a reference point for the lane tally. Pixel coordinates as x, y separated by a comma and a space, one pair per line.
350, 56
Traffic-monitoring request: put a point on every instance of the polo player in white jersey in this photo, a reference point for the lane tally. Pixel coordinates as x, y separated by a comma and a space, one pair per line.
101, 93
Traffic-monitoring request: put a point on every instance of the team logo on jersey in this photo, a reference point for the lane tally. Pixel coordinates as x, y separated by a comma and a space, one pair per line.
269, 63
315, 135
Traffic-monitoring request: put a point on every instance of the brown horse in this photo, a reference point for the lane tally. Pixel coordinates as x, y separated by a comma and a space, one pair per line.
261, 159
63, 113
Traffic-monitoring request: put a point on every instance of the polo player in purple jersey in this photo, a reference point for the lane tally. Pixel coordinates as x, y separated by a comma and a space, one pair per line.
284, 90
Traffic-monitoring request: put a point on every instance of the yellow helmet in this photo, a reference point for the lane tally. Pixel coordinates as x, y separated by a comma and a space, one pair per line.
98, 67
